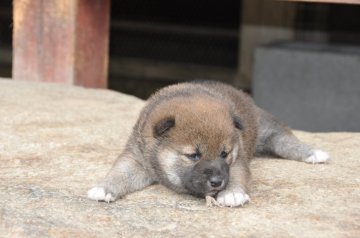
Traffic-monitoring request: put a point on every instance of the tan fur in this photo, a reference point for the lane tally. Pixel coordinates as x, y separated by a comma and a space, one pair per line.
199, 138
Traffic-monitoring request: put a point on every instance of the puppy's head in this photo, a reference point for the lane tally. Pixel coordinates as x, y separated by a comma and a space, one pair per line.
197, 143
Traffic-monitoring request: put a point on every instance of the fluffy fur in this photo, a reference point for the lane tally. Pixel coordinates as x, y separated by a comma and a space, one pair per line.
199, 138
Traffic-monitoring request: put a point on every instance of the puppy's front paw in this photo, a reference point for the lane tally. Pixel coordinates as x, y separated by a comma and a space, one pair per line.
232, 197
318, 156
100, 194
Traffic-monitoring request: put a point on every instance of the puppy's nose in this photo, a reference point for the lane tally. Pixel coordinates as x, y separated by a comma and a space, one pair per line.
216, 181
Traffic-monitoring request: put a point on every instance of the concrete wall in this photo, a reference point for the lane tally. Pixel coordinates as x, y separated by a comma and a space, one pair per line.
309, 86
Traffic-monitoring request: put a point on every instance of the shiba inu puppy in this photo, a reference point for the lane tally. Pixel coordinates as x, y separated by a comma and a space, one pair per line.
199, 138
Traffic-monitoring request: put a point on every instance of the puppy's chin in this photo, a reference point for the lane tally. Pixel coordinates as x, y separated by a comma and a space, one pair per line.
197, 189
199, 194
211, 193
203, 191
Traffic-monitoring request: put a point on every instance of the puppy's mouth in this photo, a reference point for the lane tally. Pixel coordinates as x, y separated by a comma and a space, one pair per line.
208, 190
209, 187
213, 191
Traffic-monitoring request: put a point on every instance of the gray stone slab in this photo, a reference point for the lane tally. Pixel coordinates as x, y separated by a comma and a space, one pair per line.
311, 87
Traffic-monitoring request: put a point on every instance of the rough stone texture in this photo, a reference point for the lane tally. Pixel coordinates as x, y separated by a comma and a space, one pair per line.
57, 141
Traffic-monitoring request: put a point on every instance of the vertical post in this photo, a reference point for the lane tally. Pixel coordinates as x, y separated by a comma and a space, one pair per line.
262, 22
63, 41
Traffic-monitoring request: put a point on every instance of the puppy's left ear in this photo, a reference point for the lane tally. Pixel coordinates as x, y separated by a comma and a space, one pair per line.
237, 122
163, 126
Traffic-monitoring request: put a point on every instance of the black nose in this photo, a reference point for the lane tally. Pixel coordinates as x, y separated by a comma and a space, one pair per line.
216, 181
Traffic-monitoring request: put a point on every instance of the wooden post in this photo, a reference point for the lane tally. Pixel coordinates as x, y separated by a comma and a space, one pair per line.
263, 21
63, 41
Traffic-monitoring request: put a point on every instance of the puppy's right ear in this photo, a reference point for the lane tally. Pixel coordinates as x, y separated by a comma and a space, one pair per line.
163, 126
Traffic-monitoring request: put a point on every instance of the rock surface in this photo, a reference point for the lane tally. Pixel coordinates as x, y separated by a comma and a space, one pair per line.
57, 141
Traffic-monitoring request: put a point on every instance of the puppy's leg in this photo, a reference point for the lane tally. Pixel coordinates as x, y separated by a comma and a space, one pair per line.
126, 176
235, 193
287, 146
276, 138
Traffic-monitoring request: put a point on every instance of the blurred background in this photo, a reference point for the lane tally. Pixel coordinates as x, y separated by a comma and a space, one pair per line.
300, 61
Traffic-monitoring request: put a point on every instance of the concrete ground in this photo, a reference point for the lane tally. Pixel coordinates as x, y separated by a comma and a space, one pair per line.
57, 141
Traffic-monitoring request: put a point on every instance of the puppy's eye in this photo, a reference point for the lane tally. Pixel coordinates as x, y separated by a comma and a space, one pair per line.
224, 154
193, 157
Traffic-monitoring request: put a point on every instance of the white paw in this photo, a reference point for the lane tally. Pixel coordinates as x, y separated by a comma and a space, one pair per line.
99, 194
318, 156
232, 198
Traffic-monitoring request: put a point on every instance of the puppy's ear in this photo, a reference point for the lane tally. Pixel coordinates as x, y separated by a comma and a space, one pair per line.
237, 122
163, 126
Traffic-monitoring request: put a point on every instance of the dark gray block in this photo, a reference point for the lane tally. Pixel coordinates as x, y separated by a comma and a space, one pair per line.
309, 86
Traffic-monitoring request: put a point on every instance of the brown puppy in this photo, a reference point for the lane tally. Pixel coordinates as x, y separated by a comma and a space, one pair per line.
199, 138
